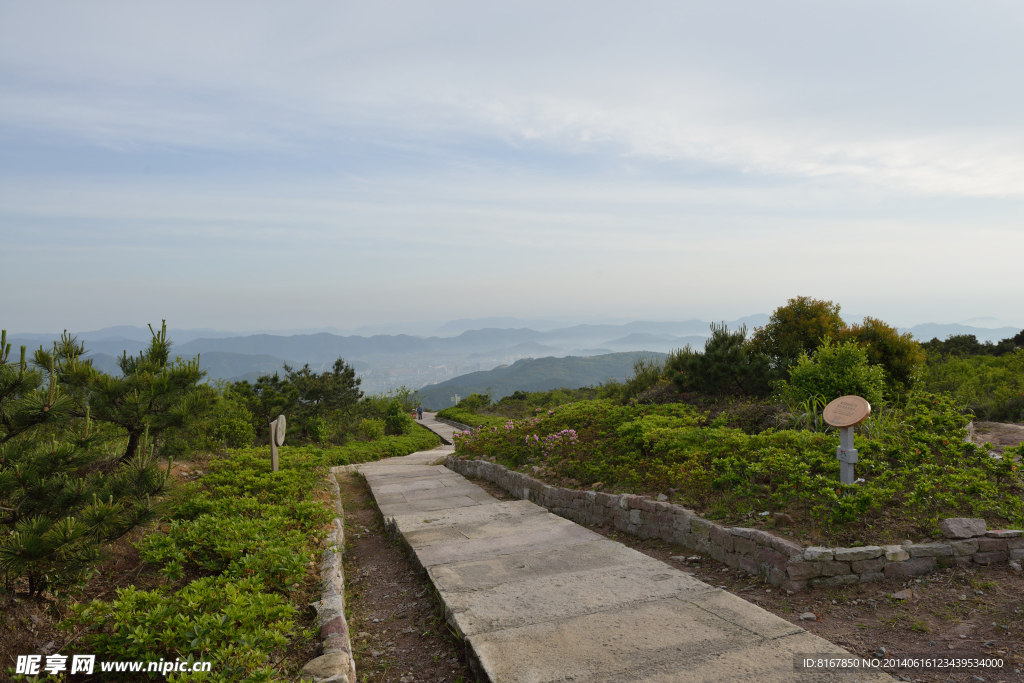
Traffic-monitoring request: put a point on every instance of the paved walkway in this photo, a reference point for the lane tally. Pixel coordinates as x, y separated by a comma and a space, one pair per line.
539, 598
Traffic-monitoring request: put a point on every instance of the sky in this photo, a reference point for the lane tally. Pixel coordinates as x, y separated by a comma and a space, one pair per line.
267, 165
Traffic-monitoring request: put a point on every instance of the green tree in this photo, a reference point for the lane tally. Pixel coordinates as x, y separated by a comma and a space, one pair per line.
324, 398
61, 496
899, 355
265, 399
836, 369
729, 365
153, 394
796, 328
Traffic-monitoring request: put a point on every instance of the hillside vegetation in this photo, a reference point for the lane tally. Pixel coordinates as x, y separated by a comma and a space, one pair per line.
736, 430
535, 374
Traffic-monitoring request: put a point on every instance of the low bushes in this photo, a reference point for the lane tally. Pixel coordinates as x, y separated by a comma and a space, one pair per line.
469, 418
990, 386
234, 555
916, 465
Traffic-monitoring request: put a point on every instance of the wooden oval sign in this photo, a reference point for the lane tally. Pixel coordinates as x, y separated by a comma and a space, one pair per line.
847, 411
279, 431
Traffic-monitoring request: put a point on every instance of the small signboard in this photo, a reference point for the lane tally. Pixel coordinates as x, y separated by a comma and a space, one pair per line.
847, 411
279, 430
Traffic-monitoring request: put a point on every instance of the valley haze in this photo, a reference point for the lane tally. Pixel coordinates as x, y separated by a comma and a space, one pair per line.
463, 348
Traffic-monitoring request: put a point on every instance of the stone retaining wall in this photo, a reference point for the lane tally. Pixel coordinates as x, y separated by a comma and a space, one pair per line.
336, 664
453, 423
779, 561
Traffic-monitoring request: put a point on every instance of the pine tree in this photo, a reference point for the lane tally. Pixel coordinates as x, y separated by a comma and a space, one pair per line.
153, 394
61, 495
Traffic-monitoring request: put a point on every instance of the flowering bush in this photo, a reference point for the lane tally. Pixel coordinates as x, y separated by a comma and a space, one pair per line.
916, 466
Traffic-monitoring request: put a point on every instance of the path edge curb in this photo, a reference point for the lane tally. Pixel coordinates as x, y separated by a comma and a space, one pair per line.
336, 664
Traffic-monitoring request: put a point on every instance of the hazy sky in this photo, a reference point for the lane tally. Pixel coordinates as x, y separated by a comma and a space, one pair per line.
273, 165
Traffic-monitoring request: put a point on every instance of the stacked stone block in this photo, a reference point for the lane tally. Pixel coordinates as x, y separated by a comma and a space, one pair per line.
778, 561
336, 664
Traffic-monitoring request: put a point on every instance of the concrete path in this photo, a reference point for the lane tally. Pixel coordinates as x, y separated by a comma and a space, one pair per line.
443, 430
539, 598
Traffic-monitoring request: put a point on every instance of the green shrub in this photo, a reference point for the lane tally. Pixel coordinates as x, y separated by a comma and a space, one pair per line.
729, 365
991, 387
916, 465
470, 418
372, 428
237, 432
835, 370
899, 355
475, 402
796, 328
234, 623
396, 420
236, 547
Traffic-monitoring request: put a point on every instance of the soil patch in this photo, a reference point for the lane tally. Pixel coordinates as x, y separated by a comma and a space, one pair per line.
396, 620
952, 612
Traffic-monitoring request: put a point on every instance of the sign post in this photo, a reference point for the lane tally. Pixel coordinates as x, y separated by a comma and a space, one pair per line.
846, 412
277, 428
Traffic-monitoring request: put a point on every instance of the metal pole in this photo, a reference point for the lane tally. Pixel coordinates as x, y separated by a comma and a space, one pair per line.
847, 455
273, 446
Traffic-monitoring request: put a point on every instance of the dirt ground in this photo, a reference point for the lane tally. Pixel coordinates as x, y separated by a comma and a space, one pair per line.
976, 612
396, 621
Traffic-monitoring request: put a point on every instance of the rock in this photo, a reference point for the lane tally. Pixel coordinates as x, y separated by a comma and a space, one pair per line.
868, 552
991, 545
678, 558
903, 595
962, 527
930, 550
965, 547
326, 666
816, 553
1015, 566
808, 616
1005, 533
782, 519
662, 497
896, 553
989, 557
913, 567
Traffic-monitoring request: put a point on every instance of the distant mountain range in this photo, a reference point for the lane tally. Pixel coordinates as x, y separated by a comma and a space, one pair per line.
418, 360
534, 374
929, 331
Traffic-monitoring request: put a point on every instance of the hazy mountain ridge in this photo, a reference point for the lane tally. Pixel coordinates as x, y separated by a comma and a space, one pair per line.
387, 361
534, 374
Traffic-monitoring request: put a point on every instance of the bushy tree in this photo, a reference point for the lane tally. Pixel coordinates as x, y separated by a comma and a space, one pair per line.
899, 355
835, 369
796, 328
328, 397
729, 365
61, 495
317, 405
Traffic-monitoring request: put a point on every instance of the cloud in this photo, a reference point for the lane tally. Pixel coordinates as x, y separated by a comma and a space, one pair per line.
663, 143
